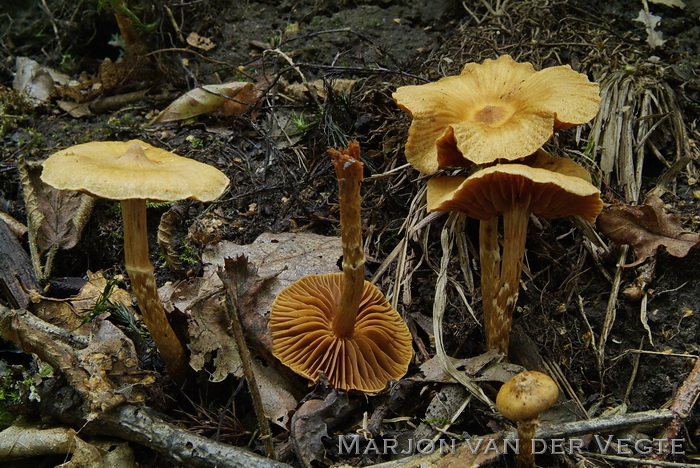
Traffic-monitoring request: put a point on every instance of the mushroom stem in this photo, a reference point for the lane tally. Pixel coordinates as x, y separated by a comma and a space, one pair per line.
348, 169
490, 259
143, 282
498, 321
526, 432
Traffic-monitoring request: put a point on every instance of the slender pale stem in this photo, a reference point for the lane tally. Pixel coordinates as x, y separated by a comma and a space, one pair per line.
140, 270
348, 168
526, 432
499, 316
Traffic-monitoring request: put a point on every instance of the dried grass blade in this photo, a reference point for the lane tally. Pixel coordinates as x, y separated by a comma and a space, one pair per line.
439, 305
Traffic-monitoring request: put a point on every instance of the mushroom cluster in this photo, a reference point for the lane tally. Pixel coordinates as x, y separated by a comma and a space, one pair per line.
494, 118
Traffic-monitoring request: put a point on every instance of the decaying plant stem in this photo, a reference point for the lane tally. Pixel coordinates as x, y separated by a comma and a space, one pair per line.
348, 168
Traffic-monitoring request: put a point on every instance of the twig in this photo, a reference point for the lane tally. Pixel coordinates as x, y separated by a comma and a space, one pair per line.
180, 446
620, 458
555, 431
683, 402
230, 281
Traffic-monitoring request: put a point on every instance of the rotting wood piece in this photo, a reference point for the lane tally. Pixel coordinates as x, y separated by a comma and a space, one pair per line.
16, 272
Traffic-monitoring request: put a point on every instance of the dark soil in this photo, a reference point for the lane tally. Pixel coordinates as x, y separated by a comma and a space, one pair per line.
286, 183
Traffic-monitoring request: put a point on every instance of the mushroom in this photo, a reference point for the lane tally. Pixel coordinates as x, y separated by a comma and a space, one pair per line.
547, 186
133, 172
339, 324
522, 399
500, 109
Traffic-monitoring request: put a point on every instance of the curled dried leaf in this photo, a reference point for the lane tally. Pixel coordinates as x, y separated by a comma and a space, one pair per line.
645, 228
230, 98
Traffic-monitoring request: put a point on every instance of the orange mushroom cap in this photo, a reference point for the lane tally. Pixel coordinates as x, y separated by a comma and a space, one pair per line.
301, 325
499, 109
526, 395
556, 187
122, 170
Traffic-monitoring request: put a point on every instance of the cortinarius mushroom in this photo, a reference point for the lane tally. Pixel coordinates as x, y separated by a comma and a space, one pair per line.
500, 109
522, 399
134, 172
338, 323
544, 185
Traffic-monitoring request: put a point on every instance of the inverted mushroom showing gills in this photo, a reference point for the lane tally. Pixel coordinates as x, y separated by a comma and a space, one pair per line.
339, 324
497, 110
133, 172
547, 186
522, 399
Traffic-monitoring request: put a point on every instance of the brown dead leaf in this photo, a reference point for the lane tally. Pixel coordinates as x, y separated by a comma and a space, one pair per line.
230, 98
211, 339
286, 256
276, 394
200, 42
111, 363
433, 372
56, 218
645, 228
310, 426
211, 335
52, 213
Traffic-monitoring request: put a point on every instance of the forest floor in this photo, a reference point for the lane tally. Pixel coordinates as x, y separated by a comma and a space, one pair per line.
621, 341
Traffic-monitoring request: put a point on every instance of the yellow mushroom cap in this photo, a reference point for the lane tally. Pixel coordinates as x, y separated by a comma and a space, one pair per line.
499, 109
556, 187
133, 169
301, 322
526, 395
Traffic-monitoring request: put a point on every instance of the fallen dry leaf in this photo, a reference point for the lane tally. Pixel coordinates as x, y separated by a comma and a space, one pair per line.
650, 21
200, 42
286, 256
211, 335
37, 81
310, 426
229, 98
71, 314
56, 218
645, 228
211, 340
276, 394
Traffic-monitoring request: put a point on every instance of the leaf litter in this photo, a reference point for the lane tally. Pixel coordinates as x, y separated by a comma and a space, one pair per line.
645, 228
643, 124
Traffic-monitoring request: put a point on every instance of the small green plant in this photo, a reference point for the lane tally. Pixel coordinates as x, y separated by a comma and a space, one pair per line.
300, 122
589, 149
131, 11
123, 316
102, 305
163, 204
188, 255
196, 142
